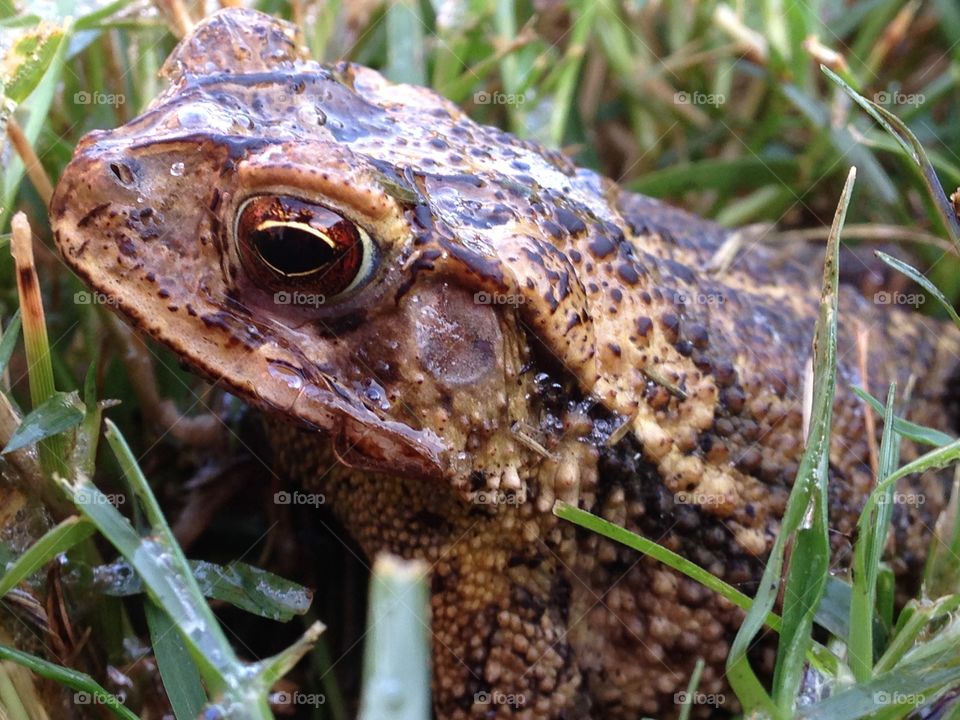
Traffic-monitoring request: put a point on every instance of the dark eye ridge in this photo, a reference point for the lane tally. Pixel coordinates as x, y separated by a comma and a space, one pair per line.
284, 241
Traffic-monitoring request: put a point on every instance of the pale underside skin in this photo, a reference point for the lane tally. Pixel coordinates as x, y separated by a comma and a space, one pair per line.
532, 333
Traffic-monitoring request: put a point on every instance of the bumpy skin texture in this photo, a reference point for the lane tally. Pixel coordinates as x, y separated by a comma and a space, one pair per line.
531, 333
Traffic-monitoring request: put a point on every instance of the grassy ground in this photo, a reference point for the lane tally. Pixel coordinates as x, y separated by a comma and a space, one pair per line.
719, 107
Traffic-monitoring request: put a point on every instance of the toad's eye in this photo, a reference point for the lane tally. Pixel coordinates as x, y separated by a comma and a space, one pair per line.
289, 243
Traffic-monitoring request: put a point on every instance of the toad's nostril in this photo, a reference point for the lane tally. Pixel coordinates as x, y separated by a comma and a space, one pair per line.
122, 172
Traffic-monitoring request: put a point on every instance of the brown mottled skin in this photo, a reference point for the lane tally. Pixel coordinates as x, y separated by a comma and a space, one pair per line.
612, 368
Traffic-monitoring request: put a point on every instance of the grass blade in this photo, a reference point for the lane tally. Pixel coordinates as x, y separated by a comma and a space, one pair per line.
810, 563
9, 341
919, 278
908, 141
179, 673
909, 430
872, 531
86, 687
58, 413
397, 652
56, 540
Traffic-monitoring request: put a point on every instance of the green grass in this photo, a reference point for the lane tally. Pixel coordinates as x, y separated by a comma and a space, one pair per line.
720, 107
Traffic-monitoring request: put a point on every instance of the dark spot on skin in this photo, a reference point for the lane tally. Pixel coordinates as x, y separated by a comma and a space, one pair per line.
551, 300
334, 327
573, 321
628, 273
644, 325
423, 216
697, 334
733, 398
671, 326
602, 246
127, 247
615, 349
777, 381
571, 223
680, 271
485, 268
431, 520
724, 373
616, 294
164, 293
90, 216
477, 480
552, 229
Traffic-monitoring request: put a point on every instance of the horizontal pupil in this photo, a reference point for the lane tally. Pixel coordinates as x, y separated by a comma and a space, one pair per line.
293, 251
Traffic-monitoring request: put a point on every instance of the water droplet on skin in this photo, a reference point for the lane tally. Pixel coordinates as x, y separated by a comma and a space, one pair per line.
293, 378
176, 169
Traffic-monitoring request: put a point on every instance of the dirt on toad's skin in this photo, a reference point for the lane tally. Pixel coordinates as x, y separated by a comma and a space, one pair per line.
524, 331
